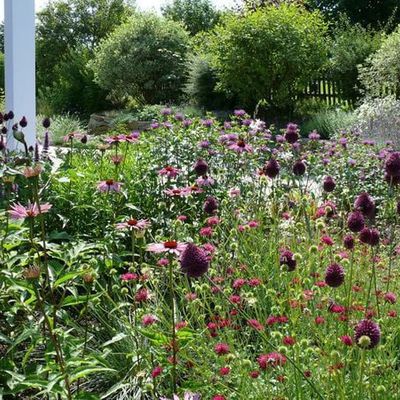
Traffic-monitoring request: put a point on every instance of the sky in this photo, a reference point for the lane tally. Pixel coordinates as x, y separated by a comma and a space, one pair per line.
142, 4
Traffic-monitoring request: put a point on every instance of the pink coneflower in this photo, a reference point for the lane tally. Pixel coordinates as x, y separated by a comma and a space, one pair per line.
170, 246
18, 211
134, 224
240, 146
72, 135
169, 172
177, 192
109, 186
132, 137
117, 159
115, 139
205, 181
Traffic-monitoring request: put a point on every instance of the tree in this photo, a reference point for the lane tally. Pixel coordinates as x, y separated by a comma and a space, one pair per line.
373, 13
67, 30
143, 60
196, 15
271, 54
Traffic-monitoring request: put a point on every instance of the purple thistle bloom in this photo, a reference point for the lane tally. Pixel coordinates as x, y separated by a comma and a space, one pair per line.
329, 184
166, 111
314, 136
271, 169
299, 168
369, 329
207, 122
369, 236
46, 123
239, 113
194, 261
334, 275
355, 221
365, 204
187, 122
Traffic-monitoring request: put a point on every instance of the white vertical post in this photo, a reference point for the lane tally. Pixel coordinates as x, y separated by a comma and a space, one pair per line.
20, 86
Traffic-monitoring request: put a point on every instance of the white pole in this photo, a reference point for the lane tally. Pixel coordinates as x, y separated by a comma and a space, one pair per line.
20, 86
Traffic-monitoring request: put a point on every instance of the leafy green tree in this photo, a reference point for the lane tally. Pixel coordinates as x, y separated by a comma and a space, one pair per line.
66, 31
380, 75
143, 60
351, 45
374, 13
271, 54
196, 15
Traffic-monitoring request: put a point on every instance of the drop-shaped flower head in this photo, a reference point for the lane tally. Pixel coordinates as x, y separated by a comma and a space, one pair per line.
367, 334
194, 261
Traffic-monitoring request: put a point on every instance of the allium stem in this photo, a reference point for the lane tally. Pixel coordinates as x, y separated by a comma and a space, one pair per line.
173, 332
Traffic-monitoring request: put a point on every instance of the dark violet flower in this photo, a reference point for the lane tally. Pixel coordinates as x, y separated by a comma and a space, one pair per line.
46, 123
355, 221
201, 167
271, 168
334, 275
299, 168
210, 205
369, 236
23, 123
166, 111
292, 133
367, 334
287, 258
194, 261
365, 204
392, 165
329, 184
348, 242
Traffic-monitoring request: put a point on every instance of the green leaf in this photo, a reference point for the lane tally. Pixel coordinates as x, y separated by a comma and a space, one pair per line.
74, 300
83, 372
68, 277
115, 339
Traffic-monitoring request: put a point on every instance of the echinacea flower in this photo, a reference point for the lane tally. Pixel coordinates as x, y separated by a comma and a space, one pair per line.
133, 224
367, 334
194, 261
18, 211
240, 146
171, 246
109, 185
205, 181
169, 172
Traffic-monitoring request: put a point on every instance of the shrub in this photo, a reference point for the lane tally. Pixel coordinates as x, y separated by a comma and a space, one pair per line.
379, 118
381, 73
351, 46
143, 59
329, 122
271, 53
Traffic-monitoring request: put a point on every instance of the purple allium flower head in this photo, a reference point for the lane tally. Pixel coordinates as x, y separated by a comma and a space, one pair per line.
299, 168
4, 130
200, 167
194, 261
11, 115
271, 168
334, 275
329, 184
292, 134
210, 205
365, 204
369, 236
355, 221
348, 242
46, 123
286, 257
392, 164
23, 123
369, 329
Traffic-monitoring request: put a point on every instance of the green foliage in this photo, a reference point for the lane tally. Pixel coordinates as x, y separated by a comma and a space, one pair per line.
351, 46
67, 34
144, 60
373, 13
61, 125
268, 54
328, 122
201, 85
196, 15
381, 73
